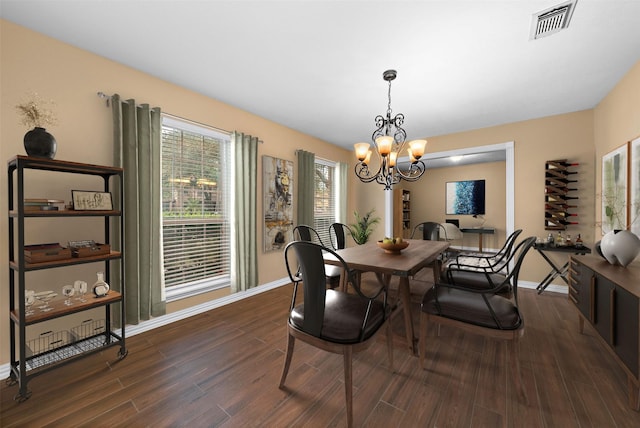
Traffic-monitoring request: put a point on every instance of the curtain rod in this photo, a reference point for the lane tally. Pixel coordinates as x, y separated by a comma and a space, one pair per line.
107, 98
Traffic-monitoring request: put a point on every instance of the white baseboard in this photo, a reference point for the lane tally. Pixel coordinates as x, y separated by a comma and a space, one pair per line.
132, 330
552, 288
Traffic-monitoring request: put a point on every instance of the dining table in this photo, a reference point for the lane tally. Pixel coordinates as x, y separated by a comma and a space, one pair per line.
369, 257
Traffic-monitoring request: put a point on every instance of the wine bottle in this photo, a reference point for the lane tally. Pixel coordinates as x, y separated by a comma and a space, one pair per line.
559, 214
560, 180
559, 206
566, 223
554, 189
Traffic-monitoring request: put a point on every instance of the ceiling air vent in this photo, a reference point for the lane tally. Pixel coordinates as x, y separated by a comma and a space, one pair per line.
552, 20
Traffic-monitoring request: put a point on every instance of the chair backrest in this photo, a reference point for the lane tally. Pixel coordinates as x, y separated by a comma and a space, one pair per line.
310, 262
430, 231
508, 244
302, 232
502, 258
452, 232
518, 255
338, 235
454, 221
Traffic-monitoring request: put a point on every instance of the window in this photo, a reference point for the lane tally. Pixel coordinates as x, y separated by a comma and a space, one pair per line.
195, 202
325, 198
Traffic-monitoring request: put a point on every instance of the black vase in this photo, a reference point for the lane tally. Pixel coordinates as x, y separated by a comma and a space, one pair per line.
39, 143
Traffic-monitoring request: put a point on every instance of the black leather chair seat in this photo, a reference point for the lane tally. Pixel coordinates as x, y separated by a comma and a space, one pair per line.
471, 308
475, 280
343, 317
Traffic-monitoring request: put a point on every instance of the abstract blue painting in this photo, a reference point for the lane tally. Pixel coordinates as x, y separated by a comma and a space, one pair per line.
465, 197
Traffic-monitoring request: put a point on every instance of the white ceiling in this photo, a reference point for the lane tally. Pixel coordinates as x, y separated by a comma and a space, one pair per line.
316, 66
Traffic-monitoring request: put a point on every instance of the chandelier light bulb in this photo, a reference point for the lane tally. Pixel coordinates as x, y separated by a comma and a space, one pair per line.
417, 148
361, 150
384, 145
367, 158
412, 158
392, 159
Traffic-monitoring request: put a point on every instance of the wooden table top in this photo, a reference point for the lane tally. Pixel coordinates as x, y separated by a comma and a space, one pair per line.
371, 258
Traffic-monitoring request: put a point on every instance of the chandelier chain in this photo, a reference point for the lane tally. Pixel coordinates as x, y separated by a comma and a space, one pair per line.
389, 104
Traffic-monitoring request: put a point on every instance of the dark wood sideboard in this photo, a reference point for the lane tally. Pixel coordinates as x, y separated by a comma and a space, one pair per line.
608, 297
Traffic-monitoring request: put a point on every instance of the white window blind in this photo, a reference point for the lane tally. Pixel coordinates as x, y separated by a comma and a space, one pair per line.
195, 202
324, 200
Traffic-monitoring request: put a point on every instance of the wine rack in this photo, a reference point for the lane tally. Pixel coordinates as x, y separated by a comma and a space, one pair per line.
559, 194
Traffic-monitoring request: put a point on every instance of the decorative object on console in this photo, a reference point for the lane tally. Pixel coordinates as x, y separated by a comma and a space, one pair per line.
38, 142
389, 138
620, 247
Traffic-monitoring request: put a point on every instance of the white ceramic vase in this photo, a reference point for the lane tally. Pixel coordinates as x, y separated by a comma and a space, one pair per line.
620, 247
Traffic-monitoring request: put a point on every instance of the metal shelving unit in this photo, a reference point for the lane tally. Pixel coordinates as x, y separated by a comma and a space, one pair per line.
56, 349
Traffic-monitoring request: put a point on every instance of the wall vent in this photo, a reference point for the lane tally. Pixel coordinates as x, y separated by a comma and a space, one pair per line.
552, 20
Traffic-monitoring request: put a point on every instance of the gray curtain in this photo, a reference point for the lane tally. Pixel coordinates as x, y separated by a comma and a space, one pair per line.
306, 184
137, 134
341, 194
244, 258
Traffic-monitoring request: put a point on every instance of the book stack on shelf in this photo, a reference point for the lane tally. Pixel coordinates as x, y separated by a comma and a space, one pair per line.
44, 205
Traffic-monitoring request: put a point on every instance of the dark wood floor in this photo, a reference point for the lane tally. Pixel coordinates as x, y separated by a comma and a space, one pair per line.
221, 368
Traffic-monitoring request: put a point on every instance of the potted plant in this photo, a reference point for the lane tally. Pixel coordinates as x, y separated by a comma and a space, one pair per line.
35, 113
363, 227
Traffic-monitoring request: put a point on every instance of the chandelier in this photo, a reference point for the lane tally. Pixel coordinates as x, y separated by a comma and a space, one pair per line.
389, 139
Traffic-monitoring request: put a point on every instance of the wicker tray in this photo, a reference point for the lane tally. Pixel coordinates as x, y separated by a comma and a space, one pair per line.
94, 250
45, 253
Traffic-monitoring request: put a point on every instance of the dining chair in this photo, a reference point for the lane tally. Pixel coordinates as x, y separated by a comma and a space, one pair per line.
451, 231
332, 320
494, 262
303, 232
479, 310
430, 231
338, 233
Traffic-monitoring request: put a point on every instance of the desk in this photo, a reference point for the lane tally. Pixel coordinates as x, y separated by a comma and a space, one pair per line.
555, 270
480, 231
370, 258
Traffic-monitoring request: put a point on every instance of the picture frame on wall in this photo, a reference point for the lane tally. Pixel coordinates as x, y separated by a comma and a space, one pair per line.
87, 200
277, 202
614, 189
634, 185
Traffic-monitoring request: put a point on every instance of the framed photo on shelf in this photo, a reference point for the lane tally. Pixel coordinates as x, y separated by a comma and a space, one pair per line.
634, 184
614, 189
86, 200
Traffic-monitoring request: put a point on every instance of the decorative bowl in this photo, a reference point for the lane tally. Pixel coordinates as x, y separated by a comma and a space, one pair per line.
393, 248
